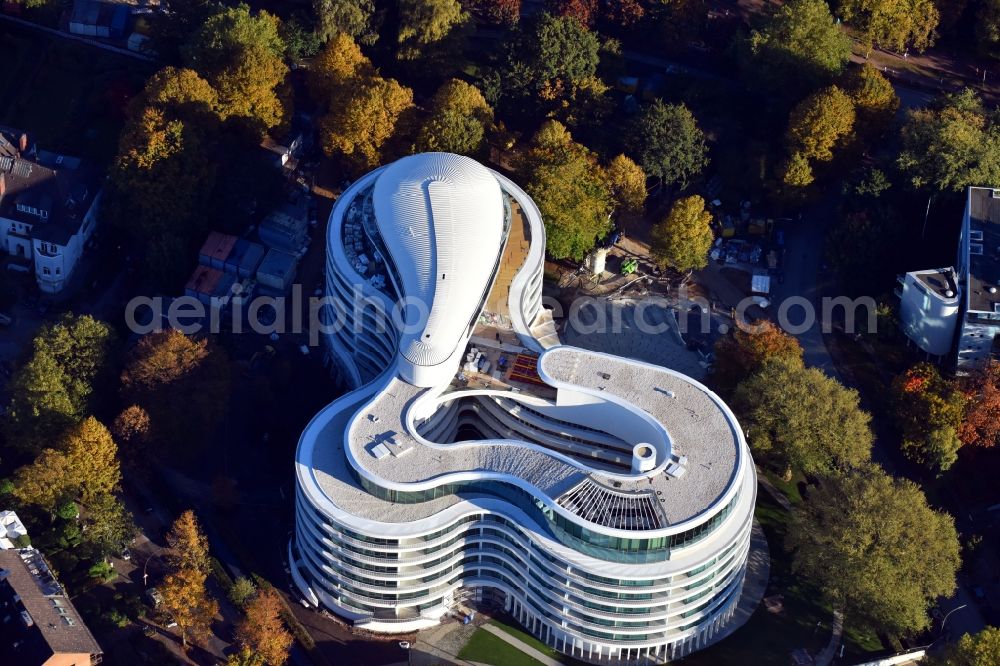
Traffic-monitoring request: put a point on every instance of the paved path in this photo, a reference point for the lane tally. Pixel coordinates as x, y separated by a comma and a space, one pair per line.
830, 651
522, 646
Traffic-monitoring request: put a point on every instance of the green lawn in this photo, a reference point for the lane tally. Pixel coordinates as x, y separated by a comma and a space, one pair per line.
486, 648
525, 637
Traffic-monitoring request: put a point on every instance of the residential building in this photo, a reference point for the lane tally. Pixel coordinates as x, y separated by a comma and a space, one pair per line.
48, 209
39, 625
605, 503
12, 531
954, 312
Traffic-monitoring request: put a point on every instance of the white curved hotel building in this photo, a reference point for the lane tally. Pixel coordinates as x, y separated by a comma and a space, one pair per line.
607, 504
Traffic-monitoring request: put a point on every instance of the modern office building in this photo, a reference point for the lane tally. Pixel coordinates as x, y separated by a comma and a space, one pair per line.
954, 313
605, 503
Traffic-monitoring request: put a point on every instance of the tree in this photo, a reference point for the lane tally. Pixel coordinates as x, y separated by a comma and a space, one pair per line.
53, 389
570, 188
628, 185
360, 126
185, 598
159, 188
682, 240
242, 591
351, 18
796, 171
819, 122
875, 549
951, 144
170, 30
181, 382
743, 353
928, 410
131, 426
800, 47
188, 544
500, 12
988, 28
796, 417
262, 631
669, 144
624, 13
874, 98
93, 459
426, 22
337, 69
584, 11
109, 526
84, 466
551, 59
981, 424
982, 649
187, 602
242, 56
893, 24
459, 119
300, 40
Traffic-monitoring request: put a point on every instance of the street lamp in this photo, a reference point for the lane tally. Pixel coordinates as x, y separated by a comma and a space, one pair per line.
406, 646
145, 576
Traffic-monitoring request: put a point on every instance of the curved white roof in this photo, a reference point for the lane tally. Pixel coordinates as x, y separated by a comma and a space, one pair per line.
441, 219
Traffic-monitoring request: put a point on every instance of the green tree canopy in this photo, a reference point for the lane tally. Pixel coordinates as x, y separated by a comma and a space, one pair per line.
459, 119
875, 549
571, 190
109, 526
800, 46
929, 411
53, 390
951, 144
669, 144
682, 240
426, 22
242, 56
798, 417
352, 18
988, 28
552, 58
982, 649
893, 24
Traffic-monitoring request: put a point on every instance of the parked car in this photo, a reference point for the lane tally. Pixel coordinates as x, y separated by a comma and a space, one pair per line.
154, 597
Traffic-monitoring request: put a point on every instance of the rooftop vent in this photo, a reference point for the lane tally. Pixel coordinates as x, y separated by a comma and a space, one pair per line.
996, 194
992, 290
949, 293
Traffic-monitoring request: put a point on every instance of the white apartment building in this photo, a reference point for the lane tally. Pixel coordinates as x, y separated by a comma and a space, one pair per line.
954, 312
48, 209
605, 503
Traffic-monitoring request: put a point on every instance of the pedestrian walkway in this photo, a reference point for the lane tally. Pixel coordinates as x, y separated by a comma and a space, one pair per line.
830, 651
522, 646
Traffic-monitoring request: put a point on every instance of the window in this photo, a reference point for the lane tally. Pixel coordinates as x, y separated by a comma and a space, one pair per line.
58, 271
47, 271
975, 248
976, 235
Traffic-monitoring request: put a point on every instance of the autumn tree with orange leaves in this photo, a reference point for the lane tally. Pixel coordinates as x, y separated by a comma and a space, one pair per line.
741, 354
981, 425
929, 411
185, 598
262, 632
